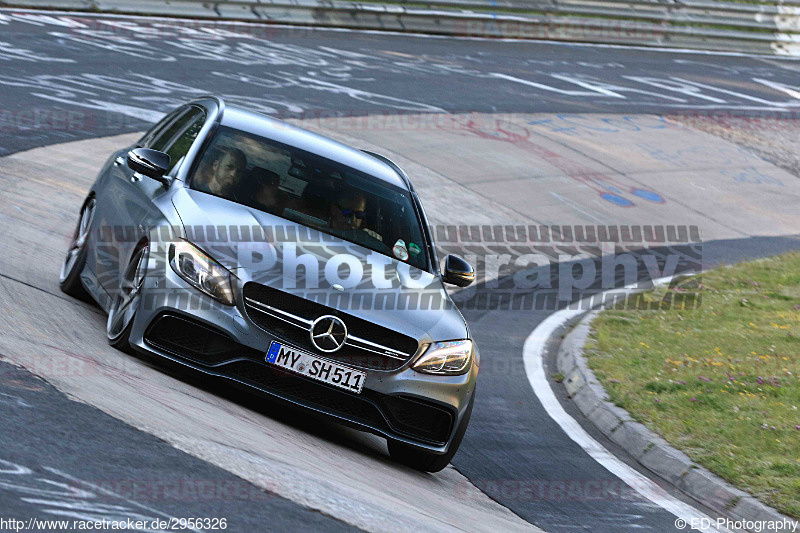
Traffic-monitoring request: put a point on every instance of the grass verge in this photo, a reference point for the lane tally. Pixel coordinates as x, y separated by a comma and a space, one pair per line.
719, 382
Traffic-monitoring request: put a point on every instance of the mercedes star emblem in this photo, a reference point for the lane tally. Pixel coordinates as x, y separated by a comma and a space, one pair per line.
328, 333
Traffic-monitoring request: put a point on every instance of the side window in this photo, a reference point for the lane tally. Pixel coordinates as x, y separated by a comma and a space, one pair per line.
147, 140
162, 138
192, 124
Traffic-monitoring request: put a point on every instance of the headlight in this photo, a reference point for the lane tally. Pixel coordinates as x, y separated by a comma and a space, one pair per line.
449, 357
202, 272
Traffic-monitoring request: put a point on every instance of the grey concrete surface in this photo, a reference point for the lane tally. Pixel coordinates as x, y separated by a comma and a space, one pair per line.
530, 170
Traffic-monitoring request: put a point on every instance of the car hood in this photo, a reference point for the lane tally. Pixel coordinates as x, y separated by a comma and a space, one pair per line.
262, 248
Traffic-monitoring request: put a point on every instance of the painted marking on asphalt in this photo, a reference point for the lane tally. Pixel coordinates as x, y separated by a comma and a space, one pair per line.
14, 11
674, 84
319, 76
112, 494
11, 399
533, 357
52, 496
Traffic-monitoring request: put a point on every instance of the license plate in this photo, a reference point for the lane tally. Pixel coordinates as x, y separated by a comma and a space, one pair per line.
315, 367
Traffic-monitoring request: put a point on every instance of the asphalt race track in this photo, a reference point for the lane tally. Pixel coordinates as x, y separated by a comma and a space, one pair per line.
117, 69
490, 132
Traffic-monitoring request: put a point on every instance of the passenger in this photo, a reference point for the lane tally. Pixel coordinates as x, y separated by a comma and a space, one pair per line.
263, 189
270, 198
221, 173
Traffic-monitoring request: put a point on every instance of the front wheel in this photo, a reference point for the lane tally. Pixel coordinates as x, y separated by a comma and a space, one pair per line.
69, 280
426, 461
126, 301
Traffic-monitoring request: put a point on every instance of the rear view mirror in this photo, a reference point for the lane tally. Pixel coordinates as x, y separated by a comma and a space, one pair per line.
151, 163
457, 271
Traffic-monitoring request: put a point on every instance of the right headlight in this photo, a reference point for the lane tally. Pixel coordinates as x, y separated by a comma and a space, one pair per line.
201, 271
446, 357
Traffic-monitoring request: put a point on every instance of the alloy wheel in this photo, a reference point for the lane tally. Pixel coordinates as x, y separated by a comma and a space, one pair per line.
126, 301
78, 242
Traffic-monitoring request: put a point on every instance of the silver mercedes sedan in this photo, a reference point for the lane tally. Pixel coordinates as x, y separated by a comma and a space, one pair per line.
249, 249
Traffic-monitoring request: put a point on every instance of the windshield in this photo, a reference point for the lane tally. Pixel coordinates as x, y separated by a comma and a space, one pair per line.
313, 191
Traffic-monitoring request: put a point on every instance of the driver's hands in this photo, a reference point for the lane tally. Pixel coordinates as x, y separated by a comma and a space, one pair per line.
372, 233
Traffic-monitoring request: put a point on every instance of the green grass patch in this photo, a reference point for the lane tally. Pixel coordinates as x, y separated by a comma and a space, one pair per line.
720, 382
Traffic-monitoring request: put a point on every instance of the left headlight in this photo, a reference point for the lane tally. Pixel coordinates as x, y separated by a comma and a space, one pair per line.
201, 271
448, 357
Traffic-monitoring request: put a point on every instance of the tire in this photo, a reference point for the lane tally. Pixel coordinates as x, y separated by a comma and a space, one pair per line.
126, 301
425, 461
69, 280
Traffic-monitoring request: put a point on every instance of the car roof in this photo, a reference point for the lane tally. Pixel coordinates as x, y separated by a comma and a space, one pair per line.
283, 132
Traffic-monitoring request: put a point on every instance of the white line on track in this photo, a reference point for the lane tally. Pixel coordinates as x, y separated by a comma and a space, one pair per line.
533, 357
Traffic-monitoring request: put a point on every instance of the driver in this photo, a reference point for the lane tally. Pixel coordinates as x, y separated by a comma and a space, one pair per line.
222, 173
349, 212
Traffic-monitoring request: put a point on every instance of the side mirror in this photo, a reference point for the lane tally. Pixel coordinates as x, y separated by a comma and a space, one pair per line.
151, 163
457, 271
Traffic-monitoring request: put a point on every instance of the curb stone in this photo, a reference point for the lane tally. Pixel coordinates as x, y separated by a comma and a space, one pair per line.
650, 450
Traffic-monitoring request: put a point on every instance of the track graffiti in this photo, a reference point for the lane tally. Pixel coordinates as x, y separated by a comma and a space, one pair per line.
608, 188
60, 494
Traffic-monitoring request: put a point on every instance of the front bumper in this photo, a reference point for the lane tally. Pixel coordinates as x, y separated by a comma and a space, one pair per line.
418, 409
